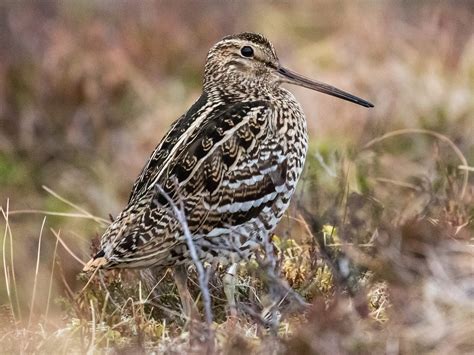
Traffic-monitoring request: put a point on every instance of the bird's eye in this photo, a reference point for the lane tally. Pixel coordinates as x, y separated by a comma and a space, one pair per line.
246, 51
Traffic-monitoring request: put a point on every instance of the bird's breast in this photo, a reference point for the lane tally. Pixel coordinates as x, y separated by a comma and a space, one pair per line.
291, 129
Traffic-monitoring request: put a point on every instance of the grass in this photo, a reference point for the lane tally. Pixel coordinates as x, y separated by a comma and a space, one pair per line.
379, 239
363, 284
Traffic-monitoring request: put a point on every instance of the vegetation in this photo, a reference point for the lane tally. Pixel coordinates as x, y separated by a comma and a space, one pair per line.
379, 239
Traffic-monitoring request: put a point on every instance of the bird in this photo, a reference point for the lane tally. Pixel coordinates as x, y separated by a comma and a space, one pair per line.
232, 162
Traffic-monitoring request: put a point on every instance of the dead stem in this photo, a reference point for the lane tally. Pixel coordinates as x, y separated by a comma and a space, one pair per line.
202, 273
437, 135
57, 235
35, 283
50, 288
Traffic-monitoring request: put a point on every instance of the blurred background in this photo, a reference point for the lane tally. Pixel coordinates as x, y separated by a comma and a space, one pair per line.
88, 88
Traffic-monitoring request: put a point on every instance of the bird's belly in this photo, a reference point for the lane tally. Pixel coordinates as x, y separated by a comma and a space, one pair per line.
234, 243
229, 242
239, 242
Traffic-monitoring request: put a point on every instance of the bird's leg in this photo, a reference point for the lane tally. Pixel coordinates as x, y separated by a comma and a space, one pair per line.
230, 281
187, 302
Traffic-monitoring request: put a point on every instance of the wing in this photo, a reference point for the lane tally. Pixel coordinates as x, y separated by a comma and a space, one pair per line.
230, 171
226, 170
245, 189
173, 139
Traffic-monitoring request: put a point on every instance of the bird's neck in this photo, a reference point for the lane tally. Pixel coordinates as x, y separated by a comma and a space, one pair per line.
238, 92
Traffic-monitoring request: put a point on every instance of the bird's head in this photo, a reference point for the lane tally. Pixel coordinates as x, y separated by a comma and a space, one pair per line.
248, 60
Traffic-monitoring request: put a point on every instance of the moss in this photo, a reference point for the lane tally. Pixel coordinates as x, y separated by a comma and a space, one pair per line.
13, 171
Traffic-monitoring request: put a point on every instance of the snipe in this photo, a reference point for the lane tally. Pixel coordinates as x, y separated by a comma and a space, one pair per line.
233, 159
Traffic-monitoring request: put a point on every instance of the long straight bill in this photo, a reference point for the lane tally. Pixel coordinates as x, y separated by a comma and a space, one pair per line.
296, 79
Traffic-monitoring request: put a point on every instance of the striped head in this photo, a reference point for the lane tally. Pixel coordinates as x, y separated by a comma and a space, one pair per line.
246, 59
247, 62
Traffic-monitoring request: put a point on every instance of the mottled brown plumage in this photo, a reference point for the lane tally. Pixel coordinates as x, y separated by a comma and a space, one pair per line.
233, 160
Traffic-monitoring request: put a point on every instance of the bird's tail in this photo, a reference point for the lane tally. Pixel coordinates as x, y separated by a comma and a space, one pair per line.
96, 262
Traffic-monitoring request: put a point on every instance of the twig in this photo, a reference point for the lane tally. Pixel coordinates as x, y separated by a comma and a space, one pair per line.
270, 267
203, 275
163, 308
275, 280
156, 285
116, 305
87, 283
323, 164
330, 257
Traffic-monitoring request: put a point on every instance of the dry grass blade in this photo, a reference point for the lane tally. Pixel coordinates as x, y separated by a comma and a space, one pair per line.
60, 214
78, 208
91, 348
437, 135
50, 288
398, 183
35, 283
104, 307
4, 254
56, 234
8, 232
156, 285
465, 167
87, 283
